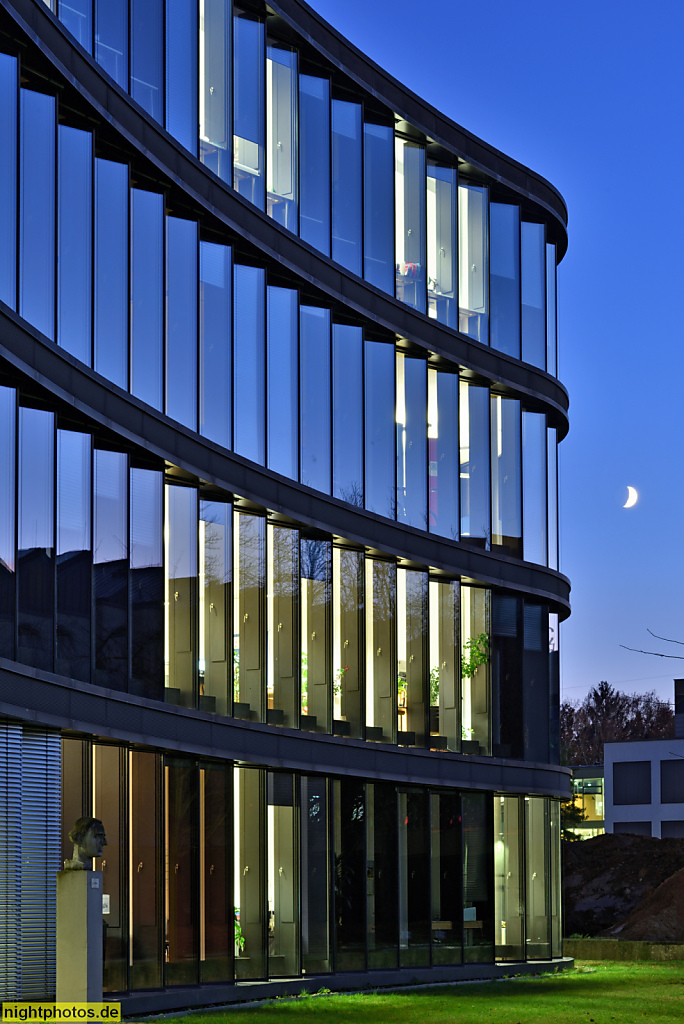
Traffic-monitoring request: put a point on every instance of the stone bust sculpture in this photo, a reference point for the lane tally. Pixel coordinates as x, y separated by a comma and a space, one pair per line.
88, 837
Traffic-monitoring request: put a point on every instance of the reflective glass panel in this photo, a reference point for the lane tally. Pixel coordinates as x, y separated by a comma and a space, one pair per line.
215, 343
215, 606
146, 847
506, 474
110, 573
74, 560
181, 72
316, 619
249, 109
348, 414
217, 919
111, 271
314, 397
283, 626
215, 86
382, 882
380, 428
249, 617
475, 674
147, 583
381, 650
315, 876
478, 894
509, 921
378, 206
8, 179
283, 390
555, 894
552, 493
446, 877
35, 575
473, 269
412, 652
445, 699
409, 222
7, 519
506, 674
504, 278
249, 882
349, 841
249, 388
111, 38
282, 876
554, 689
442, 433
411, 441
533, 312
314, 162
110, 536
147, 56
551, 332
535, 547
347, 185
474, 463
37, 213
77, 16
180, 869
281, 135
348, 642
537, 890
110, 783
75, 192
181, 320
536, 710
414, 878
180, 598
147, 282
441, 244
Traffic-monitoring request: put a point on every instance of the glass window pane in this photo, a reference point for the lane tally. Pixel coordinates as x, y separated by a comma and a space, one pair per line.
475, 674
283, 626
381, 650
552, 492
349, 652
378, 206
281, 135
180, 864
110, 574
445, 698
315, 875
8, 401
217, 922
180, 597
249, 617
8, 179
347, 185
314, 161
474, 446
314, 365
111, 271
551, 333
215, 342
441, 244
147, 583
478, 895
412, 636
215, 606
415, 925
110, 782
535, 665
75, 242
215, 86
283, 390
349, 839
146, 944
111, 38
73, 492
535, 547
555, 884
147, 56
443, 453
76, 15
382, 915
348, 414
35, 576
380, 428
506, 660
181, 72
509, 883
110, 534
249, 109
316, 615
249, 413
446, 877
147, 282
554, 689
249, 829
473, 270
409, 219
537, 904
506, 475
181, 321
533, 326
37, 216
282, 877
504, 278
411, 441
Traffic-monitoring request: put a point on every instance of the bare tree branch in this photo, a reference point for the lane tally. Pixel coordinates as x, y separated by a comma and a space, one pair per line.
665, 638
656, 654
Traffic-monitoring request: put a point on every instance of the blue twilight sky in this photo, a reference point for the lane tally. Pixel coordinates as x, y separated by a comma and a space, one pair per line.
589, 94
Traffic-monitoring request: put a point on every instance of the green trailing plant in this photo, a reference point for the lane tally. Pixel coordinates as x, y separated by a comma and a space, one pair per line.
475, 653
434, 687
239, 937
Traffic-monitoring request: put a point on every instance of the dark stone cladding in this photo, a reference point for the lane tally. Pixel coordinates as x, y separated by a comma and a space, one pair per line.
176, 165
30, 695
80, 388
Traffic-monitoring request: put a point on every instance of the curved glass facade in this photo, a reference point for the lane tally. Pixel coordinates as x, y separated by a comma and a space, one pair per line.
233, 498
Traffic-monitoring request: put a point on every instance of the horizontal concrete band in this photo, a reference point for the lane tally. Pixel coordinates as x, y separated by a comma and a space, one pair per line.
30, 695
266, 238
106, 405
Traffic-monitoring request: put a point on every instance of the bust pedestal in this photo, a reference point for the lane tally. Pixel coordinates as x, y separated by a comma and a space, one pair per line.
79, 936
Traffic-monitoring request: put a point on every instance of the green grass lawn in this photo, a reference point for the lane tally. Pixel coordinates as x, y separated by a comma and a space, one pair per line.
597, 993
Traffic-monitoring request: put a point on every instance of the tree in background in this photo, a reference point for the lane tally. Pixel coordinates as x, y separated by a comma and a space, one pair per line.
607, 715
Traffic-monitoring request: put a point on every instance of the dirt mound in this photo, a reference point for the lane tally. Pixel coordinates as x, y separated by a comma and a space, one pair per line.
659, 917
606, 878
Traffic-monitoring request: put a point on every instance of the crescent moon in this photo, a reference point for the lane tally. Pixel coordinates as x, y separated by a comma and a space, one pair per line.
631, 497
